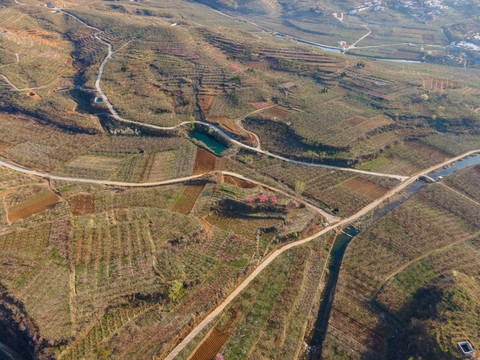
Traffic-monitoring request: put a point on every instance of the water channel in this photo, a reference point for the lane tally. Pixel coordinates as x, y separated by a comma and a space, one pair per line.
8, 354
343, 239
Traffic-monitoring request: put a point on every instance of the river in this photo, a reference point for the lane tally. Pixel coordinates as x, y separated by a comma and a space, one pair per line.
8, 354
342, 241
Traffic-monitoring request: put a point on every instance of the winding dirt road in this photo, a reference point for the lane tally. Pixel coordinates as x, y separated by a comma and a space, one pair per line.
218, 310
330, 218
257, 149
215, 128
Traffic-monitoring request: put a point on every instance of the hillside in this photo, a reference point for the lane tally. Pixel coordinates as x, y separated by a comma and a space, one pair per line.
231, 181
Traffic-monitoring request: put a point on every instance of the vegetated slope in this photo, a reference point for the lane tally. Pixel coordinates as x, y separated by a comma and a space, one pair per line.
257, 7
303, 103
43, 68
408, 285
80, 275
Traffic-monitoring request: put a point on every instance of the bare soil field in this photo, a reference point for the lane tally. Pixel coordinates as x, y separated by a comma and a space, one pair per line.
277, 112
230, 126
239, 183
205, 102
430, 151
4, 147
211, 346
82, 204
365, 187
187, 199
32, 206
204, 162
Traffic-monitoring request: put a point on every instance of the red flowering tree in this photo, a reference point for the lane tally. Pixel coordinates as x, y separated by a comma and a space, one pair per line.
263, 198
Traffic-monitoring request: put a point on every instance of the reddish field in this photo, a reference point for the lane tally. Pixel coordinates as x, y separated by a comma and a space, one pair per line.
4, 147
238, 182
187, 199
204, 162
33, 95
262, 64
32, 206
356, 120
230, 126
278, 112
365, 187
262, 104
82, 204
205, 102
211, 346
147, 168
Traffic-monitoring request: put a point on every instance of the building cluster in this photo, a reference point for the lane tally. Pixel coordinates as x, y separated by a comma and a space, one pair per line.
375, 5
424, 10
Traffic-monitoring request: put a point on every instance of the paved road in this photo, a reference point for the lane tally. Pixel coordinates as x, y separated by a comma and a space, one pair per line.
218, 310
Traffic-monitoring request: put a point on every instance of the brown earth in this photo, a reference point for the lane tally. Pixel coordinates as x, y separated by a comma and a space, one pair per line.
238, 182
278, 112
204, 162
365, 187
427, 150
82, 204
187, 199
211, 346
356, 120
205, 101
262, 104
4, 147
229, 125
32, 206
147, 168
215, 340
33, 95
40, 36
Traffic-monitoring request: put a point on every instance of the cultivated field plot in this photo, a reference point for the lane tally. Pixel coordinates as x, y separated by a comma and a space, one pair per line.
34, 145
34, 205
389, 265
41, 56
467, 182
121, 159
270, 317
106, 259
339, 192
406, 158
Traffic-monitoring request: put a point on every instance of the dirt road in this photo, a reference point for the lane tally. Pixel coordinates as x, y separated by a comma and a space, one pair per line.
210, 317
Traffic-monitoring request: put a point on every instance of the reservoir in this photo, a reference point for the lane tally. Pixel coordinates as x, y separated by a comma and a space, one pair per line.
209, 141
